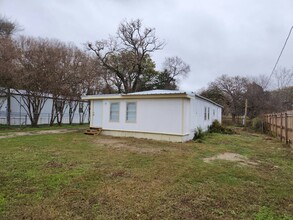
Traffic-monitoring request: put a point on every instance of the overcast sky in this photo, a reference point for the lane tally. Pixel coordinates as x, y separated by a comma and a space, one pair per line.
215, 37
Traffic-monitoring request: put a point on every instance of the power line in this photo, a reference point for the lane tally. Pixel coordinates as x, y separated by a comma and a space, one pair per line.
279, 56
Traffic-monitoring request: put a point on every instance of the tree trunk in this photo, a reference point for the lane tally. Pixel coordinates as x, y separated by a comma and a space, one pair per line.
82, 114
35, 119
8, 116
72, 108
233, 118
60, 108
53, 112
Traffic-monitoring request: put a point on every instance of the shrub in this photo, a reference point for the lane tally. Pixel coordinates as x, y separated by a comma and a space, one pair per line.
216, 127
257, 124
198, 134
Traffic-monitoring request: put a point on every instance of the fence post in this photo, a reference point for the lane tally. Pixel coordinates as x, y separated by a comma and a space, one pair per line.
272, 124
286, 128
275, 124
270, 121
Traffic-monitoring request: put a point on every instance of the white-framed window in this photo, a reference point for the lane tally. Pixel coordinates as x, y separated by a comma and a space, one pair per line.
114, 111
214, 112
131, 112
208, 113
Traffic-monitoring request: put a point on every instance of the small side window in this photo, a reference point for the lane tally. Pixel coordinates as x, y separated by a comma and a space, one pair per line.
114, 111
131, 112
208, 113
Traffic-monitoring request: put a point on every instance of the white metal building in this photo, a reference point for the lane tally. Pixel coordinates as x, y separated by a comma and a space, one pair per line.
19, 114
156, 114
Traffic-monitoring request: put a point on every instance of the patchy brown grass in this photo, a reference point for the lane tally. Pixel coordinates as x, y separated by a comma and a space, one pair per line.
242, 160
137, 146
73, 176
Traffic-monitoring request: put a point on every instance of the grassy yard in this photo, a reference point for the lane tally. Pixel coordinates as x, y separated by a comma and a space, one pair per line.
74, 176
16, 128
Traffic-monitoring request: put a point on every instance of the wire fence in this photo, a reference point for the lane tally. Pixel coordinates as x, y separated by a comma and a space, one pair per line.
44, 119
228, 121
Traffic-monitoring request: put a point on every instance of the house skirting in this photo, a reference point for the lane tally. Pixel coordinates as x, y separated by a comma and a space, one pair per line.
147, 135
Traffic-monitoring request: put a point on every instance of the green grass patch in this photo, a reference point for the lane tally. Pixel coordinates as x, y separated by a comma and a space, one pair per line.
74, 176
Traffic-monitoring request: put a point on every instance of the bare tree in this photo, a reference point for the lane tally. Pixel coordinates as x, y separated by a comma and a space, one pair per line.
258, 100
77, 73
64, 58
8, 56
176, 67
91, 73
8, 27
283, 77
234, 89
214, 93
263, 81
125, 54
36, 65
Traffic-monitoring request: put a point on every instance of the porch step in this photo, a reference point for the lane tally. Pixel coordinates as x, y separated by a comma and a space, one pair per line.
93, 131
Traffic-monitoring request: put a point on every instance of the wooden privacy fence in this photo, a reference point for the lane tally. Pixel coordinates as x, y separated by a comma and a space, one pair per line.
281, 125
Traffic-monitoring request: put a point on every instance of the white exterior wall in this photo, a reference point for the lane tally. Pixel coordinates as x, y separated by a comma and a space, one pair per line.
152, 116
186, 116
197, 110
176, 117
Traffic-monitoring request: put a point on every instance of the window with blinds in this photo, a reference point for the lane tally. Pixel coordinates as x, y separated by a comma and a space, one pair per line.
131, 112
114, 111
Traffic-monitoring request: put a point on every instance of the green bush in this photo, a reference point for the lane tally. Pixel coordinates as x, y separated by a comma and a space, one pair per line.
216, 127
257, 124
198, 134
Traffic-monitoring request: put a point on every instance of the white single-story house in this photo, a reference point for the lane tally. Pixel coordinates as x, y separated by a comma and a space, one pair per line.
157, 114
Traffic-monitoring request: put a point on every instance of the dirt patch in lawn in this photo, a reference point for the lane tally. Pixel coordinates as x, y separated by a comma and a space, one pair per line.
29, 133
230, 157
136, 145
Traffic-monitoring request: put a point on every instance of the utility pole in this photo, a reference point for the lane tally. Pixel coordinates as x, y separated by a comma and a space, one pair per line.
245, 114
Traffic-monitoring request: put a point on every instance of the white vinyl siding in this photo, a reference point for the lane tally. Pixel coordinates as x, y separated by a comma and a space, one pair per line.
131, 112
114, 111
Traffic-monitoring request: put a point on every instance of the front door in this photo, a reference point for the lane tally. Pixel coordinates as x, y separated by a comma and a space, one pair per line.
97, 114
